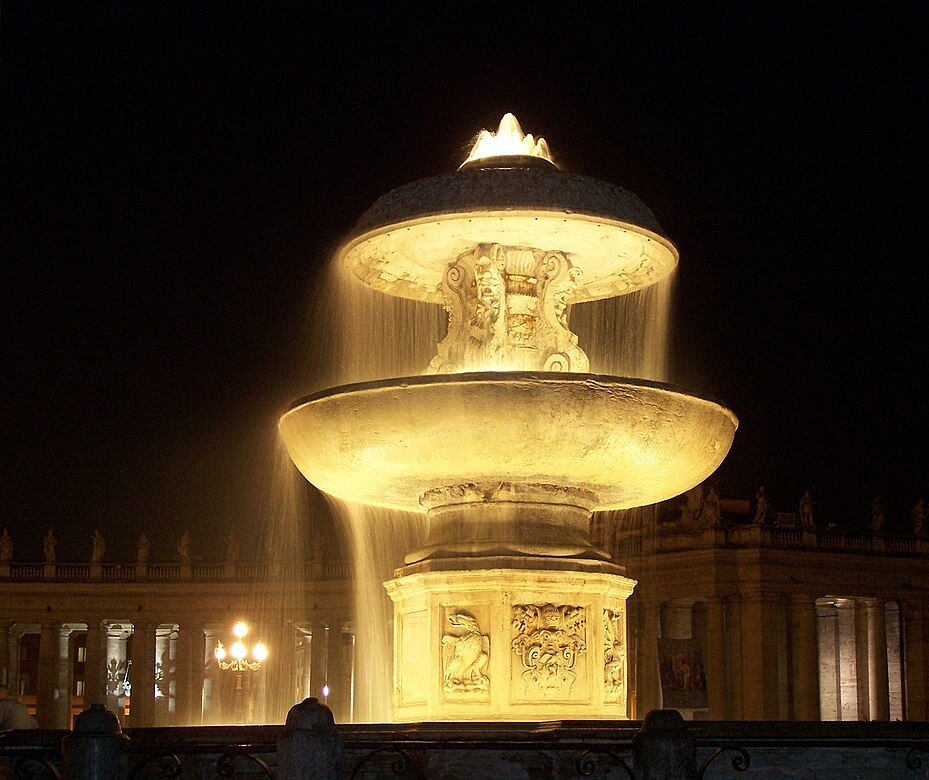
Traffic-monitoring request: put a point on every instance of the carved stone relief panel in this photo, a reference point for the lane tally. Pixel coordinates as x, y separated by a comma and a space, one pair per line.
548, 640
614, 656
465, 656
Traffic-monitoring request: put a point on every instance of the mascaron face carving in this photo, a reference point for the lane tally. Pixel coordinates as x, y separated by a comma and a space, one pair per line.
507, 310
548, 640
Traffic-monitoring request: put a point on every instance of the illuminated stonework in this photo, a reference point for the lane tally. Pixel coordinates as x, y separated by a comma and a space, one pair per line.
549, 641
507, 311
516, 655
507, 443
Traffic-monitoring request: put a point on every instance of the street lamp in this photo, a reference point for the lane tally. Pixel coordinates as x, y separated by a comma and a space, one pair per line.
239, 662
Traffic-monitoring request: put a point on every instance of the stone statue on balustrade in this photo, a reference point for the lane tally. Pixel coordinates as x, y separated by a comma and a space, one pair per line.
807, 523
877, 515
761, 506
692, 504
49, 545
918, 515
6, 547
99, 547
142, 548
232, 548
183, 548
710, 514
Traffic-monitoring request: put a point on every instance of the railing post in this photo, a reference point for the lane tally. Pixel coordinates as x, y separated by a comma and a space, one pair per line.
96, 748
664, 748
309, 744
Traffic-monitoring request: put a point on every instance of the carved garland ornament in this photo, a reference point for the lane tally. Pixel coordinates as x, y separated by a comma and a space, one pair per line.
549, 638
614, 656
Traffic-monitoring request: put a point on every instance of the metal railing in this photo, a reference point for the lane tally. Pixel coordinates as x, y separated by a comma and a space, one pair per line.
605, 749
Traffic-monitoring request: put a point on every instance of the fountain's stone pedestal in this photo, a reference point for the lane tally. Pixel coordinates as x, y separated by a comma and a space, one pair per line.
530, 640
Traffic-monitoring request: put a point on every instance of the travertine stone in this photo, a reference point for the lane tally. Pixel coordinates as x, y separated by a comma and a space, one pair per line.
509, 643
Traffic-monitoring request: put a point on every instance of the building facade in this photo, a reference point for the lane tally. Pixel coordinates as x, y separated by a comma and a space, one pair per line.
731, 619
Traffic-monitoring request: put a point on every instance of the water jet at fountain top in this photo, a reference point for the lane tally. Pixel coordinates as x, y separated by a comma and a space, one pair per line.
508, 147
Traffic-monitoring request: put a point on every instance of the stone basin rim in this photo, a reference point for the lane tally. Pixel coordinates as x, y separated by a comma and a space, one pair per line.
492, 377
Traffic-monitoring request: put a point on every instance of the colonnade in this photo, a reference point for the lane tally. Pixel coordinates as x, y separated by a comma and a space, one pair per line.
160, 673
789, 656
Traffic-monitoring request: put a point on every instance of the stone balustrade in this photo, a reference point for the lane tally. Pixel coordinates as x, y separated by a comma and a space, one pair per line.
171, 572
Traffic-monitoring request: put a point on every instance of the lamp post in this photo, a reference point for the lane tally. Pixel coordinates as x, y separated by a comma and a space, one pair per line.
239, 662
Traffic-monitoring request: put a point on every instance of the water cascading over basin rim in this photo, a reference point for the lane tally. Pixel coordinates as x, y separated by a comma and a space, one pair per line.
624, 442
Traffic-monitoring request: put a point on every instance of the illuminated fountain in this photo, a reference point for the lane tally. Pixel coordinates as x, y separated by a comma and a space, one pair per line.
507, 442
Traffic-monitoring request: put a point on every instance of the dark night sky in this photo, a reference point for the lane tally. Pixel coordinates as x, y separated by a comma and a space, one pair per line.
175, 175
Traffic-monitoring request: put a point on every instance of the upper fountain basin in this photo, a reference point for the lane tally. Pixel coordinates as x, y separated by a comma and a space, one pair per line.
623, 442
404, 242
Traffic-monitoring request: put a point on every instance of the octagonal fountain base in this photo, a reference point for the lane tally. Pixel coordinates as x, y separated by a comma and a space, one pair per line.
505, 642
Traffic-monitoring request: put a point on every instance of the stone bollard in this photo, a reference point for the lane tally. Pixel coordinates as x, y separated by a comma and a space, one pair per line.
96, 748
664, 748
309, 746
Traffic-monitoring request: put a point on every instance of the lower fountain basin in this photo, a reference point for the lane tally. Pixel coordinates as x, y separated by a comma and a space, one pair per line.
613, 443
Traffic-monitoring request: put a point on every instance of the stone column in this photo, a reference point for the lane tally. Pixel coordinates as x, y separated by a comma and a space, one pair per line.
648, 686
804, 658
5, 679
916, 658
303, 674
847, 659
116, 663
95, 656
334, 665
142, 699
211, 699
47, 676
715, 660
732, 614
338, 699
827, 643
64, 669
319, 659
878, 689
165, 657
189, 674
281, 677
16, 635
863, 660
759, 658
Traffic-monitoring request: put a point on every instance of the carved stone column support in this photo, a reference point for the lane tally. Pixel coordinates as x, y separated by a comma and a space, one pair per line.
507, 310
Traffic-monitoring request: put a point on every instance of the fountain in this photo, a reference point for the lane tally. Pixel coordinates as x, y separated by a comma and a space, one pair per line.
507, 442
